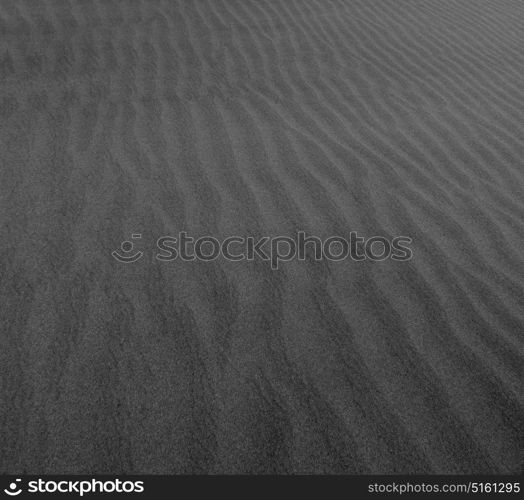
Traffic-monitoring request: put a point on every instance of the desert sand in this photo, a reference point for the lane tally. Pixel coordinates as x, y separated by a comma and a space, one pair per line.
261, 117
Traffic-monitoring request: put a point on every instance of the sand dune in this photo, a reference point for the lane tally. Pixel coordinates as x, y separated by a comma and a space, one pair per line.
261, 117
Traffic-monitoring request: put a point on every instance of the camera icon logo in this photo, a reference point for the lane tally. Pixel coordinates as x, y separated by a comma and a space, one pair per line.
13, 489
125, 254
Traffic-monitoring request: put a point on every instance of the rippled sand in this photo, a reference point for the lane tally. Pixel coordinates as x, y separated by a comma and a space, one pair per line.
261, 117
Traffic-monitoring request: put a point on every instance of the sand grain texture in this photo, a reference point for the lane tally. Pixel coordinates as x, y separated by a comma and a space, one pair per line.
261, 117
